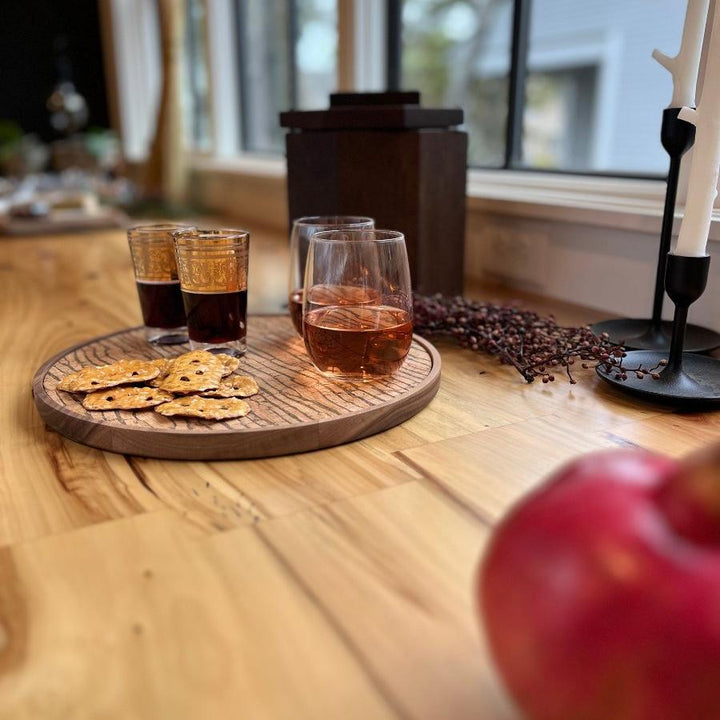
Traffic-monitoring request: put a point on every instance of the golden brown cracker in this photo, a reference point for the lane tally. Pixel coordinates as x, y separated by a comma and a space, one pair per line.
235, 386
230, 363
125, 398
208, 408
123, 372
193, 372
164, 365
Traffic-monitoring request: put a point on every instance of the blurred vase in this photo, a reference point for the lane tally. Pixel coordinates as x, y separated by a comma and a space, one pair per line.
68, 109
166, 170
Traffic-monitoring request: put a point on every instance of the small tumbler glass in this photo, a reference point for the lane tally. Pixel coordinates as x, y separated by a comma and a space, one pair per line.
357, 308
303, 229
158, 286
213, 268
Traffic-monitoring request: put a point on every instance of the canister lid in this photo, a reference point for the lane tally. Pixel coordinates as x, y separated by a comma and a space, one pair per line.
373, 111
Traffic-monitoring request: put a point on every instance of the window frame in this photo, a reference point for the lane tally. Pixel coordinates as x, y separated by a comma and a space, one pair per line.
362, 34
626, 200
517, 78
239, 10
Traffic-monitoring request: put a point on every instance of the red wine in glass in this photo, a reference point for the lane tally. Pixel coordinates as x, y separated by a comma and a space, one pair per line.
360, 341
295, 302
216, 318
329, 295
161, 303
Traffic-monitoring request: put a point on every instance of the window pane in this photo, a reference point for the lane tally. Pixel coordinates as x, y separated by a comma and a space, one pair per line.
197, 89
457, 53
265, 71
316, 53
288, 59
594, 96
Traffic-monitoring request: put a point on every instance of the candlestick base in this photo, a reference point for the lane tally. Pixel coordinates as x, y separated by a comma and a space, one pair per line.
684, 380
639, 334
695, 387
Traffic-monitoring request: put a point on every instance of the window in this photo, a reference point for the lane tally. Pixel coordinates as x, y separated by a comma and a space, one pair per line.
557, 85
288, 52
458, 54
197, 88
589, 95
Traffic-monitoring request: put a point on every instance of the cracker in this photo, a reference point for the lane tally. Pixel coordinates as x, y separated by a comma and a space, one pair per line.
230, 363
125, 398
92, 378
235, 386
164, 365
208, 408
192, 372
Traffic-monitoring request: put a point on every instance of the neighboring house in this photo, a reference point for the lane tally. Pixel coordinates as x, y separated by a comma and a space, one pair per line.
601, 95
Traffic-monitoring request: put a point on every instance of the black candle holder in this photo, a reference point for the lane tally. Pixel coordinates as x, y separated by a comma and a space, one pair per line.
687, 380
677, 137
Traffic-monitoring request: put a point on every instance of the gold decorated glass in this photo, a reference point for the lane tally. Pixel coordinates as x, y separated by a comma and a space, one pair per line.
213, 268
156, 279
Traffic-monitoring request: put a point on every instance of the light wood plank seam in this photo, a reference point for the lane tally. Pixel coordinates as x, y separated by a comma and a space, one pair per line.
620, 441
428, 480
142, 478
375, 680
43, 537
262, 513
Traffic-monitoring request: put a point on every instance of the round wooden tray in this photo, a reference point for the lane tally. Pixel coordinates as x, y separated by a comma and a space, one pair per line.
297, 409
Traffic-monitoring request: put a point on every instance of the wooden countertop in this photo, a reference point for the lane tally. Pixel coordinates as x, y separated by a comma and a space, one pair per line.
329, 585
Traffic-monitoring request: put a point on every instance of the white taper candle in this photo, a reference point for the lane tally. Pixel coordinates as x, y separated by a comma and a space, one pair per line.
684, 66
702, 182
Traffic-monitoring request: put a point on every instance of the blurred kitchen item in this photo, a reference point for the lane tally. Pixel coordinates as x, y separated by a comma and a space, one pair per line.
68, 108
166, 169
38, 206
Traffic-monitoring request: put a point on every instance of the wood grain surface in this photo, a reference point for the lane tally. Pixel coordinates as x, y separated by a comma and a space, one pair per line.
326, 585
297, 409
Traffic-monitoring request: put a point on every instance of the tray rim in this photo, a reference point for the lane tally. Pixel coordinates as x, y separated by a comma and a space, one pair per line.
50, 410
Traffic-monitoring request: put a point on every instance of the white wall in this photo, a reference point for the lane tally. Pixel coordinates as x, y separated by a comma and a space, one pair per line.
607, 269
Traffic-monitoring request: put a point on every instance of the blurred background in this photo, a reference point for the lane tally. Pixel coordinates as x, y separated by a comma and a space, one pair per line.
586, 72
166, 107
52, 82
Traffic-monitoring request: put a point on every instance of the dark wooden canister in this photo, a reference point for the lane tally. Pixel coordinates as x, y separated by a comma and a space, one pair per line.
383, 155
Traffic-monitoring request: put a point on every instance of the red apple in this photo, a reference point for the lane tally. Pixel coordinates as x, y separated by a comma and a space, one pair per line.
600, 592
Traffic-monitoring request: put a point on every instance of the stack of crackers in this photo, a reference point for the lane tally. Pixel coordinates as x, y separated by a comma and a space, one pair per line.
196, 384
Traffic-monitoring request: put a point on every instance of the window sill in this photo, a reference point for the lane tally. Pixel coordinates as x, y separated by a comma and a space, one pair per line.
251, 189
608, 202
254, 165
617, 203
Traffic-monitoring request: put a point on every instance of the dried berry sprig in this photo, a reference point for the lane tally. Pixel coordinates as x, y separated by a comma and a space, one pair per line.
535, 345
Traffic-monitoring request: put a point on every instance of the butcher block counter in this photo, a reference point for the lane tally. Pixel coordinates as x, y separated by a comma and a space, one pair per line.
326, 585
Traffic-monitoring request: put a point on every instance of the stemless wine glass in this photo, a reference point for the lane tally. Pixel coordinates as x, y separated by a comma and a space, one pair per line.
303, 229
357, 305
